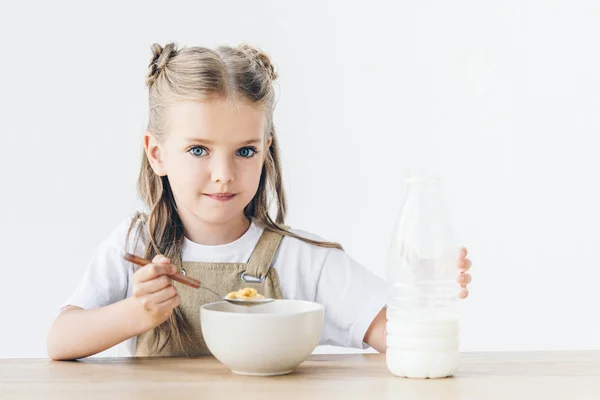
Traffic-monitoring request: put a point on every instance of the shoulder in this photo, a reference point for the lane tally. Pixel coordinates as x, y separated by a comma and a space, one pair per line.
107, 276
299, 263
297, 238
130, 235
336, 261
307, 235
297, 246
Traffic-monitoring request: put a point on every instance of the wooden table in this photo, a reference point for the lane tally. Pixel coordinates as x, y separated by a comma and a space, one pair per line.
546, 375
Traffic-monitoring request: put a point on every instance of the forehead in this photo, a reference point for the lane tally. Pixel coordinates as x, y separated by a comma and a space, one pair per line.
216, 120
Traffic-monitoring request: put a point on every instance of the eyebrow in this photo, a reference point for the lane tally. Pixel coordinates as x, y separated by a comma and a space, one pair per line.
210, 142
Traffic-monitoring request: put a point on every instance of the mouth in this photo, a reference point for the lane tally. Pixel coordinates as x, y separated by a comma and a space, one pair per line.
220, 196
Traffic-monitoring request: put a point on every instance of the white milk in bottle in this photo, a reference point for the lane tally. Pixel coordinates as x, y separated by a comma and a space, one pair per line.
422, 325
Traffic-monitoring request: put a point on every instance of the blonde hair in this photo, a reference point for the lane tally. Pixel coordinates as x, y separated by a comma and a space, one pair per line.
241, 73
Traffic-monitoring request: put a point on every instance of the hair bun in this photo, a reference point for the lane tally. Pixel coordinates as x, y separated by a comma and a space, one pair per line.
261, 58
160, 58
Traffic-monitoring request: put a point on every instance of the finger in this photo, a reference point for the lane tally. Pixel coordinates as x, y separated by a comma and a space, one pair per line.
463, 252
160, 259
464, 264
169, 304
152, 286
153, 270
463, 293
154, 299
464, 279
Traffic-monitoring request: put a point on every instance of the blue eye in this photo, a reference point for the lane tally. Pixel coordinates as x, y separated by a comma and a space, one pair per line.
197, 151
246, 152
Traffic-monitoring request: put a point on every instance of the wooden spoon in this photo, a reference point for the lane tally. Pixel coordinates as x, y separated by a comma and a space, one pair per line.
194, 283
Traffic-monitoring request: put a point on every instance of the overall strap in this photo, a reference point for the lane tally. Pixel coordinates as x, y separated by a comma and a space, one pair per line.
262, 256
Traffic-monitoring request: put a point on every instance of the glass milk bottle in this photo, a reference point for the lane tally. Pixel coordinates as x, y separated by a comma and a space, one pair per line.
422, 320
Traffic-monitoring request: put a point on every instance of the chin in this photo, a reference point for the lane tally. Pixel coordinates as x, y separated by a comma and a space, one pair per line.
219, 215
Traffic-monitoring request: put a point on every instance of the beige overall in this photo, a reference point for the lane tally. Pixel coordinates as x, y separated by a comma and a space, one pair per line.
222, 278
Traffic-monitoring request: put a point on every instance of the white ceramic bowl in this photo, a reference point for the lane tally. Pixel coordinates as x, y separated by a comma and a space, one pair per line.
269, 339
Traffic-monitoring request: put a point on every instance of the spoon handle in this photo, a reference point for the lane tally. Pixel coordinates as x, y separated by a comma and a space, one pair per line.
186, 280
213, 292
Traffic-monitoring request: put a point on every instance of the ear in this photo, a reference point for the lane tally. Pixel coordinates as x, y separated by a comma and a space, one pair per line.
267, 152
154, 154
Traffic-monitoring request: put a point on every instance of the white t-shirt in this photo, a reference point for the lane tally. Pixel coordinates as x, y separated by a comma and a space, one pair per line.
351, 295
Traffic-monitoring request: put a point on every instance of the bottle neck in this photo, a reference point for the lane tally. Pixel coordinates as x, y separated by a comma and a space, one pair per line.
423, 187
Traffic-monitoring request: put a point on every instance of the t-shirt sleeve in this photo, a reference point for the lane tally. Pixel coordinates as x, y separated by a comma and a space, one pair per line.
106, 278
352, 297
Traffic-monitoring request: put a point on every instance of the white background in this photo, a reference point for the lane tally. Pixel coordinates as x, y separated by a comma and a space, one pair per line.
503, 96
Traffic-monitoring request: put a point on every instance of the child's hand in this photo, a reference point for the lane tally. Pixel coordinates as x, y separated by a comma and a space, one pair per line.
463, 277
153, 288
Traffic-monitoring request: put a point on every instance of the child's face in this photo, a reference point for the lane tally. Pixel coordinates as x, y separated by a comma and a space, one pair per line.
212, 153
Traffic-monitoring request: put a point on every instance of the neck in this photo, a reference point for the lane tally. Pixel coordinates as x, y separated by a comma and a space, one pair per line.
214, 234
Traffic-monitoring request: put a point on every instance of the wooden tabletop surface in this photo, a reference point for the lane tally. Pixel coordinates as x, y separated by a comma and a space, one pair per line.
539, 375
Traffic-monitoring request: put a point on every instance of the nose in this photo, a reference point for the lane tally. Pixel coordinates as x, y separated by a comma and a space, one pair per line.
222, 169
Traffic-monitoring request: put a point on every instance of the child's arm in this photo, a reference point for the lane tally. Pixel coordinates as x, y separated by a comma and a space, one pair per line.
376, 335
78, 333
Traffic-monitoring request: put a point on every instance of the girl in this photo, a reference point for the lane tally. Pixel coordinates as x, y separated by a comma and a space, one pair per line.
210, 172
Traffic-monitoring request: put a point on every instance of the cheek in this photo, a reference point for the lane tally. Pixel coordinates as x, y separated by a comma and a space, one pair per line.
251, 175
186, 176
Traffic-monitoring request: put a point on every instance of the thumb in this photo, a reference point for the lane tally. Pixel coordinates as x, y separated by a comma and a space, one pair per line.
160, 259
